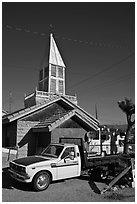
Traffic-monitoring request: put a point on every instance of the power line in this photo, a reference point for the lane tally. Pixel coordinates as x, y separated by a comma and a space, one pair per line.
16, 66
110, 83
93, 43
90, 43
103, 70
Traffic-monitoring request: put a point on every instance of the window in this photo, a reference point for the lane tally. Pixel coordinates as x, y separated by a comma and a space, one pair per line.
53, 70
40, 86
46, 72
60, 72
41, 74
52, 150
53, 86
67, 152
60, 84
46, 85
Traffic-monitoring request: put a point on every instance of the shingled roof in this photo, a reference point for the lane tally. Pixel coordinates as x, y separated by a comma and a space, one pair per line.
74, 110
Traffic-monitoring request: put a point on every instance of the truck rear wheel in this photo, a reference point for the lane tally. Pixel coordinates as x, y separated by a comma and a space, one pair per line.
41, 181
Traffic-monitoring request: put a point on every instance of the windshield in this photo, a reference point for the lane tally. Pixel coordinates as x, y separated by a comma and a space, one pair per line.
52, 150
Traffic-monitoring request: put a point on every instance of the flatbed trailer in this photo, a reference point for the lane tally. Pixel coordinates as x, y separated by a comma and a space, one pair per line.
98, 165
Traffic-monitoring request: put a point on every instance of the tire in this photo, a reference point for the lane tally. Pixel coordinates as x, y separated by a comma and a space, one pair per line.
41, 181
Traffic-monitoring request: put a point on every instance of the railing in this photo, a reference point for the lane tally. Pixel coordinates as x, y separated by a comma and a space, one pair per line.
43, 93
50, 95
107, 149
29, 96
72, 98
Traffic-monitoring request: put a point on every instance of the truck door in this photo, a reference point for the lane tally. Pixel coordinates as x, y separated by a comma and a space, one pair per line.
67, 167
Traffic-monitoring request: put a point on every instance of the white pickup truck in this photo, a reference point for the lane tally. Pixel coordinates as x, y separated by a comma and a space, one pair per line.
56, 162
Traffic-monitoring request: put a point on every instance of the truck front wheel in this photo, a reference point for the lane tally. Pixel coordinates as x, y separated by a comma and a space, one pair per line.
41, 181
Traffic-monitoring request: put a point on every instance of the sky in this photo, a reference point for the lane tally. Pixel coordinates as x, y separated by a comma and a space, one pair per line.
96, 41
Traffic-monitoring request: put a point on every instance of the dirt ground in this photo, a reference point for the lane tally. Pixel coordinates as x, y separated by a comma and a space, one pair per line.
72, 190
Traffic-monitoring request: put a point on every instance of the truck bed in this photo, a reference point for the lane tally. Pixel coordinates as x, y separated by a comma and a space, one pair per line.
90, 160
108, 159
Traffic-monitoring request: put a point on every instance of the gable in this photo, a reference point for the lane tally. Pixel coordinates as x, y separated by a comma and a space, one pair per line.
71, 123
70, 120
75, 122
53, 110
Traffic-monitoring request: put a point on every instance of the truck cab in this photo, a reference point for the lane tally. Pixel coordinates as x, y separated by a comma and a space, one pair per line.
57, 161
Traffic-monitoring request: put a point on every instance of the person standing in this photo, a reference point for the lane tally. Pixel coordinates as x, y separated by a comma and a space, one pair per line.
87, 141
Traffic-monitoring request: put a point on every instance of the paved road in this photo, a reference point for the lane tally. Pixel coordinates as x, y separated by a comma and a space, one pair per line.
72, 190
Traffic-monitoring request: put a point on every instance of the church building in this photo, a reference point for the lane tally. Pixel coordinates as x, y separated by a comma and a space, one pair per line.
48, 113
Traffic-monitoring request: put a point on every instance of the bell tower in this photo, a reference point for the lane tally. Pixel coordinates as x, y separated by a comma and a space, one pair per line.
51, 81
52, 77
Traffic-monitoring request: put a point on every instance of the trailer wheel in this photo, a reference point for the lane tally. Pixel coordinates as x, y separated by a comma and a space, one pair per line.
41, 181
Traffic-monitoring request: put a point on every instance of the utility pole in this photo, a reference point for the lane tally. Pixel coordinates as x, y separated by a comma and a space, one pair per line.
96, 113
10, 101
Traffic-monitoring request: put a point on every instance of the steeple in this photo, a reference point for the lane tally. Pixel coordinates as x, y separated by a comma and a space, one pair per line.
54, 55
51, 78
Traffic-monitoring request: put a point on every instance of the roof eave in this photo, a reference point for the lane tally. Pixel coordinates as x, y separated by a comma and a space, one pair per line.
26, 112
90, 124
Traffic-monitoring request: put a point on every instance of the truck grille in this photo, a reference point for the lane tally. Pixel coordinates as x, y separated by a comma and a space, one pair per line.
17, 168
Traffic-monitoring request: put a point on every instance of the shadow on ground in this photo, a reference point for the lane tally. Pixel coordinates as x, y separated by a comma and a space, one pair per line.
110, 195
9, 183
92, 180
92, 183
94, 187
